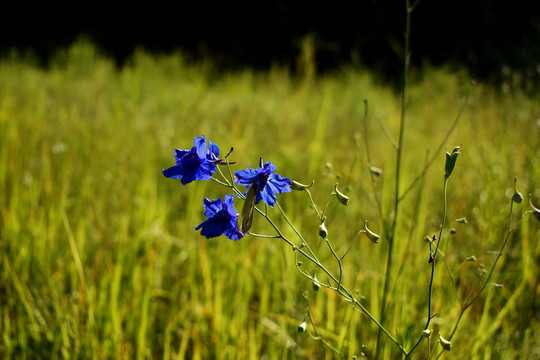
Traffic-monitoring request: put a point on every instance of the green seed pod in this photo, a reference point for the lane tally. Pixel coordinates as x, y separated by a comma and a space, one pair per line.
302, 327
370, 234
322, 230
471, 258
299, 186
375, 171
426, 333
316, 284
536, 211
450, 162
446, 345
341, 197
452, 231
517, 197
462, 221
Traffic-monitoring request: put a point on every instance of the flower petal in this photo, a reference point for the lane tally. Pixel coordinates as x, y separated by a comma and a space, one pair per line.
269, 168
246, 177
279, 184
268, 196
213, 151
179, 154
200, 147
174, 172
205, 170
189, 176
215, 226
211, 207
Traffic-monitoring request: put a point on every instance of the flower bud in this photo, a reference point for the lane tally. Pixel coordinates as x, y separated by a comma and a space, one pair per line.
322, 230
446, 345
316, 284
461, 220
341, 197
450, 162
536, 211
426, 333
302, 327
471, 258
299, 186
452, 231
370, 234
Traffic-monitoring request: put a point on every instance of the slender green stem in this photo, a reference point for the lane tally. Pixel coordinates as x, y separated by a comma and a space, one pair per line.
433, 256
296, 231
488, 278
392, 234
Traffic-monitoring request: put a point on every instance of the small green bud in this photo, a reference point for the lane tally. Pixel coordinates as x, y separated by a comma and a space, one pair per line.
471, 258
370, 234
536, 211
517, 197
452, 231
450, 162
322, 230
462, 221
427, 239
302, 327
299, 263
299, 186
316, 284
446, 345
341, 197
426, 333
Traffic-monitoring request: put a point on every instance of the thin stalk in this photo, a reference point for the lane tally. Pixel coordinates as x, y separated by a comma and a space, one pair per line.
391, 236
433, 256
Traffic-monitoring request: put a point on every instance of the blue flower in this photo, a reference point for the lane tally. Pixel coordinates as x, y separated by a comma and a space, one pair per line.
195, 164
222, 218
267, 184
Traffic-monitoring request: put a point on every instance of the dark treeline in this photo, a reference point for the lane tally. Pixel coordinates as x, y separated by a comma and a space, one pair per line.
482, 36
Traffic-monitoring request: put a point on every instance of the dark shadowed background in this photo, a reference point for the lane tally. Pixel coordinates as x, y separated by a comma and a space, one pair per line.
483, 36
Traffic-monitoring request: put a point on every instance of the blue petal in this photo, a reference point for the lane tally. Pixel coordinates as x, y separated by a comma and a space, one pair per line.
269, 167
179, 154
174, 172
205, 170
200, 147
189, 176
233, 233
229, 205
213, 151
268, 196
213, 228
211, 207
279, 184
190, 161
246, 177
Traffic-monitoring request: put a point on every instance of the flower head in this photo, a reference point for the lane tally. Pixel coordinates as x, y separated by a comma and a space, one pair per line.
195, 164
268, 184
222, 218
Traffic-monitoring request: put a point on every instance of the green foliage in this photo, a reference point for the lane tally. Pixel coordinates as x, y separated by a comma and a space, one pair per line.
99, 258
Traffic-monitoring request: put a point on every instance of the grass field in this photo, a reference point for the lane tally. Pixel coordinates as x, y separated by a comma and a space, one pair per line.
99, 258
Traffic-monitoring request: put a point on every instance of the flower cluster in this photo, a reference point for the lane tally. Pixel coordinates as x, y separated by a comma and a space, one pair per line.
200, 163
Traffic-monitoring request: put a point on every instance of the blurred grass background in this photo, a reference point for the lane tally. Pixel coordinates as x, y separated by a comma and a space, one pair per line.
99, 258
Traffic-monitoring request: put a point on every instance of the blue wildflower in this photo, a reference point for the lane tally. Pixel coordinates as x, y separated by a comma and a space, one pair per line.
195, 164
267, 184
222, 218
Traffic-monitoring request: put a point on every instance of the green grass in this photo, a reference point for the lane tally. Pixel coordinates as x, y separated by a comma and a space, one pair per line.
99, 258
